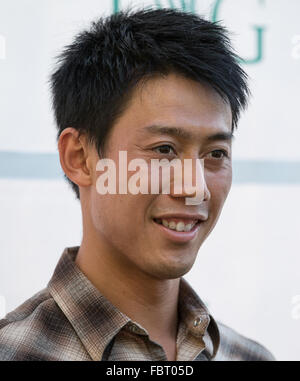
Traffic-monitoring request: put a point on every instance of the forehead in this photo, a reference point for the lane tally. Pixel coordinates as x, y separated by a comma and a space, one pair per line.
175, 101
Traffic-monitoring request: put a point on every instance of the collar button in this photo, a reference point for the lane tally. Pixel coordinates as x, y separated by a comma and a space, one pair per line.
132, 328
197, 321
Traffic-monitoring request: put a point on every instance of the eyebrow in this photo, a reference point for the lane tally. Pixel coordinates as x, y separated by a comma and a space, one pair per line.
187, 135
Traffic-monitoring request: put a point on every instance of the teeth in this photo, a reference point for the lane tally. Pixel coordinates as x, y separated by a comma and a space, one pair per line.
165, 223
172, 225
180, 226
188, 227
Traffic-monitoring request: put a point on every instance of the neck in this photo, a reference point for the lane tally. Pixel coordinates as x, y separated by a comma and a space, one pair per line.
149, 301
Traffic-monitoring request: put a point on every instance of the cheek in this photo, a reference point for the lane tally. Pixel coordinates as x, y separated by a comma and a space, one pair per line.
121, 215
219, 186
108, 212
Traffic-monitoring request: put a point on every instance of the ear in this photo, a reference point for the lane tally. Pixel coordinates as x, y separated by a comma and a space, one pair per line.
74, 157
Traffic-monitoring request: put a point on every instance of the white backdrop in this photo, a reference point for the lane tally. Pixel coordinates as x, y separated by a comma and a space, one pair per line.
248, 269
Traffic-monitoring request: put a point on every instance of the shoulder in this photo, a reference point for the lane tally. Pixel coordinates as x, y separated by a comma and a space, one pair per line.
32, 330
236, 347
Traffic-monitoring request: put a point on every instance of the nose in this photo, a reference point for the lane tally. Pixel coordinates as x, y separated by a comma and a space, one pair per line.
189, 182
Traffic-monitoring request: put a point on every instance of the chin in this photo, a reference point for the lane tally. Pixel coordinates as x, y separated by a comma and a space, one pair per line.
170, 269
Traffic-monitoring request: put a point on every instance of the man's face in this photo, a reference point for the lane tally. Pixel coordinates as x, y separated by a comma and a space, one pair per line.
128, 223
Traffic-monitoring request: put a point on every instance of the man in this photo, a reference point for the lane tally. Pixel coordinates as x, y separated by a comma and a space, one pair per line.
155, 84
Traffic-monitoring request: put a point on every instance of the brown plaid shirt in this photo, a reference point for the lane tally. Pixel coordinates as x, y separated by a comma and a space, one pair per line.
71, 320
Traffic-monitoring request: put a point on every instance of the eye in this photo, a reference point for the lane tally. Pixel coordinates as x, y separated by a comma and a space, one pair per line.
164, 149
220, 154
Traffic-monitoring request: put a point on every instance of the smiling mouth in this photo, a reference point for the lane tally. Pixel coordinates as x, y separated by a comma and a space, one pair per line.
178, 225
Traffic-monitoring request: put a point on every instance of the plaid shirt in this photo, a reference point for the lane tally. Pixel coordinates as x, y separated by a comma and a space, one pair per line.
71, 320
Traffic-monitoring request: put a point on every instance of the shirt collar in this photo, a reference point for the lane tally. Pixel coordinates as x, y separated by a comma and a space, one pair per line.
96, 320
196, 317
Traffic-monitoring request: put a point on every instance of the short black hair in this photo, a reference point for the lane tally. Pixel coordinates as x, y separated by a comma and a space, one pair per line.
96, 74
